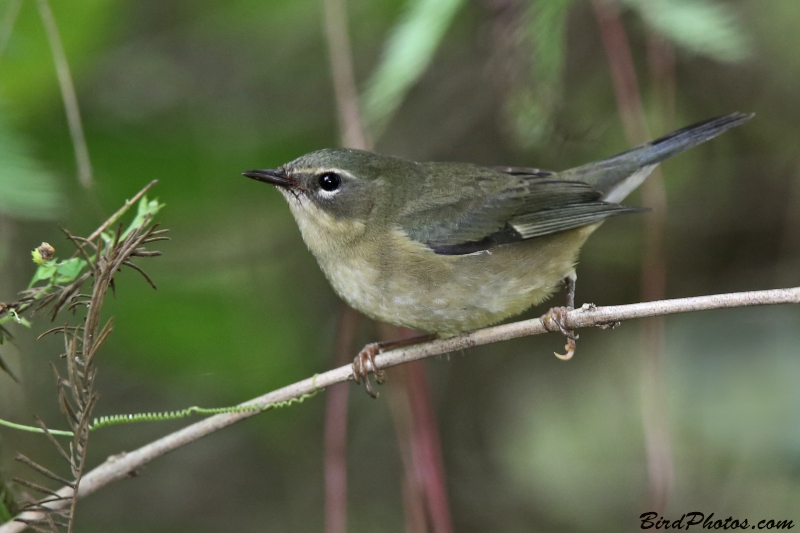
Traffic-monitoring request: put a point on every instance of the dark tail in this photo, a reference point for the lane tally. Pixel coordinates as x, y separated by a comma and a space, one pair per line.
618, 176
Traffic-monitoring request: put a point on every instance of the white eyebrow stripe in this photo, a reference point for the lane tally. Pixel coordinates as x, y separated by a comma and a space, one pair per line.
319, 171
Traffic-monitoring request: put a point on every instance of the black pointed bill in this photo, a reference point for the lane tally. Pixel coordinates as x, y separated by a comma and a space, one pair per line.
275, 177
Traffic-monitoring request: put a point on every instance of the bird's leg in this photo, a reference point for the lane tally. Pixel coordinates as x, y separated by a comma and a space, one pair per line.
555, 318
364, 363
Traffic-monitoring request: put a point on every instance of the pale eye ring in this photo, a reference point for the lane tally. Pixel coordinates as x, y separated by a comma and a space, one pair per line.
330, 181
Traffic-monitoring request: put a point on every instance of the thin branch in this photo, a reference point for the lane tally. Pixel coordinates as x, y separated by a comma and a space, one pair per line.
76, 394
67, 94
38, 488
79, 248
57, 445
121, 466
43, 471
113, 218
142, 272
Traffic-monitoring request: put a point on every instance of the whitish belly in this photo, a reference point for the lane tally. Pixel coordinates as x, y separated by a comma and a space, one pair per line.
452, 294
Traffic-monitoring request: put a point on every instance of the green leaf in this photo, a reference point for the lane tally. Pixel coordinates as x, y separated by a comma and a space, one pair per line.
409, 51
44, 272
145, 208
704, 27
8, 507
27, 190
5, 514
548, 31
534, 100
70, 269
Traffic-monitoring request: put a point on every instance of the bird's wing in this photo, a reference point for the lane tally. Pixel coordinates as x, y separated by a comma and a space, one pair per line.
567, 217
477, 214
532, 206
528, 172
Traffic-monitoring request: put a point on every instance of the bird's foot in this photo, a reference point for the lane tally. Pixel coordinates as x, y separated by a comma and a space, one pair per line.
364, 363
554, 320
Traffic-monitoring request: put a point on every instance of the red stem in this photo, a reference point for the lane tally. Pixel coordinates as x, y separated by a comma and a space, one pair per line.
336, 431
428, 456
620, 61
654, 401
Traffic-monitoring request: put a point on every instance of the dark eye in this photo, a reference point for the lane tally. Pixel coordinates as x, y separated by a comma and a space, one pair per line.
330, 181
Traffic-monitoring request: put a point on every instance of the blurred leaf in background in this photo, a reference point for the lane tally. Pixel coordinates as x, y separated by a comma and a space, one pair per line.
409, 50
704, 27
27, 189
537, 97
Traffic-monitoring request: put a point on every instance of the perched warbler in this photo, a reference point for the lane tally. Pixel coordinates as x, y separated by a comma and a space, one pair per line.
451, 247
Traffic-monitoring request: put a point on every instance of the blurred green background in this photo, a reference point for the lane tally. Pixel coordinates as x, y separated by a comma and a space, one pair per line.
194, 92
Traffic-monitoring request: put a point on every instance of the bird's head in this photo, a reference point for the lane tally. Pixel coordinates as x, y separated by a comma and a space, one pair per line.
336, 195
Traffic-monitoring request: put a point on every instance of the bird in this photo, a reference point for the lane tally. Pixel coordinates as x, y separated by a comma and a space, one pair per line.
447, 248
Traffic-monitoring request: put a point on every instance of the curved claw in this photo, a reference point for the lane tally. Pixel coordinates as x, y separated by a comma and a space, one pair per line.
554, 320
364, 363
570, 348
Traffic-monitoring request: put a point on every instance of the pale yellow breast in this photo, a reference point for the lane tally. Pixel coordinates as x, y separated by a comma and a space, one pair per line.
404, 283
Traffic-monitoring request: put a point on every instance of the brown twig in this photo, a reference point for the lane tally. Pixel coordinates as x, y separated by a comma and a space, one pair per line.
41, 297
76, 393
121, 466
113, 218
